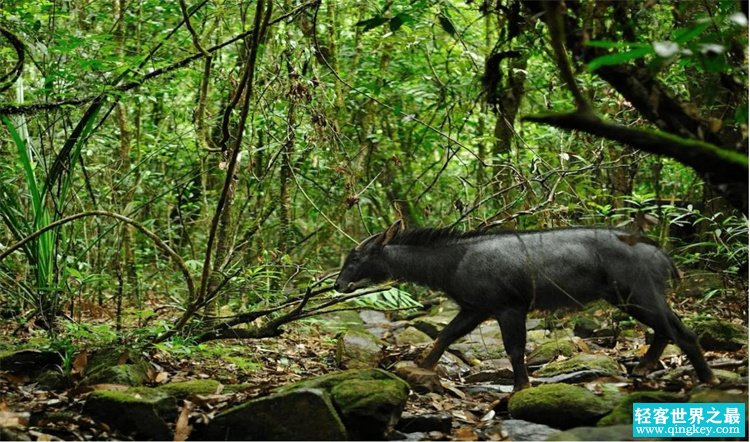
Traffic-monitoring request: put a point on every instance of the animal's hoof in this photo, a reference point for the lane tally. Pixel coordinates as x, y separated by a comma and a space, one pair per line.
713, 381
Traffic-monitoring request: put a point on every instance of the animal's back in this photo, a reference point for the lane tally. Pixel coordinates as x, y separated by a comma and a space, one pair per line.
556, 268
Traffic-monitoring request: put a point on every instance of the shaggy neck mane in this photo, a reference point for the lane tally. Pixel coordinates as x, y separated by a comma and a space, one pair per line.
434, 237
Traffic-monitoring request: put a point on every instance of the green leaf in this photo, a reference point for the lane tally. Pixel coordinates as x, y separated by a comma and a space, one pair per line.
372, 23
616, 44
683, 35
618, 58
741, 114
447, 25
399, 20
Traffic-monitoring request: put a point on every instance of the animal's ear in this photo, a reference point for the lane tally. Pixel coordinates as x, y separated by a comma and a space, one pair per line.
395, 228
361, 245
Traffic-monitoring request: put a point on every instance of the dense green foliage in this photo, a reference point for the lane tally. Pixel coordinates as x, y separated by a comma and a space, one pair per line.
359, 112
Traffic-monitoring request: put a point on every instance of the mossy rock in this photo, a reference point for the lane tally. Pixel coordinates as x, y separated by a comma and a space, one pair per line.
716, 334
328, 381
358, 349
188, 389
52, 380
138, 412
623, 411
726, 376
581, 362
584, 326
412, 336
614, 432
105, 367
712, 395
370, 407
370, 401
561, 405
299, 414
550, 350
537, 336
694, 283
126, 374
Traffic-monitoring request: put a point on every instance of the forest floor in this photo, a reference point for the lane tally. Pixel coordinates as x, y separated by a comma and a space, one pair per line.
476, 404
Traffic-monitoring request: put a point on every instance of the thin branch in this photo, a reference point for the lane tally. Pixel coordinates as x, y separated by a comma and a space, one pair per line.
7, 80
262, 18
157, 241
32, 108
409, 117
557, 36
189, 26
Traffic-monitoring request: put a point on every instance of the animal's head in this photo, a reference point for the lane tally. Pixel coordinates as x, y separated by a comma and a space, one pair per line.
365, 264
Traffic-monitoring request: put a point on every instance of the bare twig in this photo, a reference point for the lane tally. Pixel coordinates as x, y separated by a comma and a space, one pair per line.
7, 80
157, 241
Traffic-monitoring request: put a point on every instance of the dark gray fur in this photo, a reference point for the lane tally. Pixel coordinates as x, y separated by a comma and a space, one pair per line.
504, 275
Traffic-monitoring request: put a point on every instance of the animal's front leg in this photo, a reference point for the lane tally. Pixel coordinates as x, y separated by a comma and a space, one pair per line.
462, 324
513, 327
652, 356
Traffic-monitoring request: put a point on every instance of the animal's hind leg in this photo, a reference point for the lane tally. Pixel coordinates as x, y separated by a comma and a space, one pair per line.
459, 326
665, 323
651, 357
688, 342
513, 328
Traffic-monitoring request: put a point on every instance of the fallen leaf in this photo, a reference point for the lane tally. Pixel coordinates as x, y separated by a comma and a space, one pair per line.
123, 358
465, 433
182, 428
13, 419
161, 377
490, 414
79, 364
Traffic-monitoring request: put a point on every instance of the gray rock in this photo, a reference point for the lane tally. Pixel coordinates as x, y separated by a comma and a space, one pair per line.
373, 317
491, 389
703, 394
534, 323
412, 423
520, 430
29, 361
337, 322
490, 376
431, 325
615, 432
577, 377
358, 349
300, 414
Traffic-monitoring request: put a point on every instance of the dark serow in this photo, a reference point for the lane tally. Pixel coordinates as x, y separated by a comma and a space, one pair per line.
504, 275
